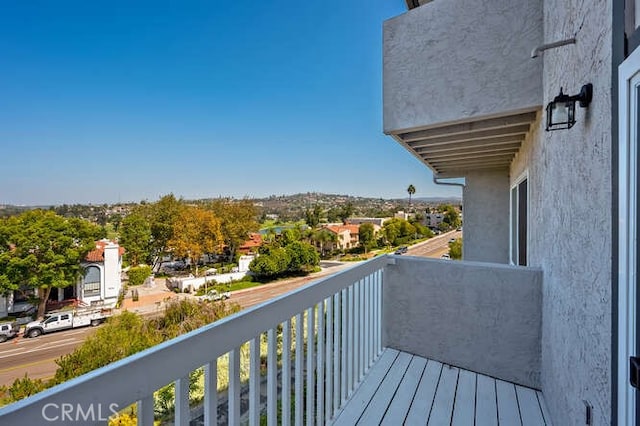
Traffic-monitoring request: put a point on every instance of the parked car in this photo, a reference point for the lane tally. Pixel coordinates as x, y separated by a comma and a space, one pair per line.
8, 330
445, 256
213, 295
402, 250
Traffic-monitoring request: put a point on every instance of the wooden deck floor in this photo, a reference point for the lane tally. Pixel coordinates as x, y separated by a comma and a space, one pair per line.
406, 389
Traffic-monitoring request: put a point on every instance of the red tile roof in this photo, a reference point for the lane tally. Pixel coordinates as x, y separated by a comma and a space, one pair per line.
353, 229
97, 255
255, 240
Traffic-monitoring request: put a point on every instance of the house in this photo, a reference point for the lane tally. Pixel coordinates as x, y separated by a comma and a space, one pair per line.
101, 282
377, 222
433, 220
537, 324
252, 244
347, 236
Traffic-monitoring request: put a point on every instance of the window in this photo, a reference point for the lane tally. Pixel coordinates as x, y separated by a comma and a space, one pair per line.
519, 213
91, 281
64, 317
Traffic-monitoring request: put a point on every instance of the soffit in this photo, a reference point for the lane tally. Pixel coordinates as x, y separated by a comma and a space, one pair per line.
453, 150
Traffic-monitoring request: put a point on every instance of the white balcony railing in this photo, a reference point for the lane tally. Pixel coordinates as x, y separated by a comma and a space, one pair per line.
321, 340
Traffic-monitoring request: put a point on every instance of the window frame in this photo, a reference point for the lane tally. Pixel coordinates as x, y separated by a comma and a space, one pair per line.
514, 222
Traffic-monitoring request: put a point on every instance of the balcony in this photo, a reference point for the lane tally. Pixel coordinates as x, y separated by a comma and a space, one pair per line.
396, 338
460, 88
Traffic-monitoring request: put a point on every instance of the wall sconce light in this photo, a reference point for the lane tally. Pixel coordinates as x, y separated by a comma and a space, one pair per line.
561, 112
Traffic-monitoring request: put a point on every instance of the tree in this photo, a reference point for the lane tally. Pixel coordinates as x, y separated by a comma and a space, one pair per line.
346, 211
455, 249
162, 216
312, 217
366, 236
196, 232
302, 257
411, 190
323, 236
136, 238
41, 250
272, 263
238, 220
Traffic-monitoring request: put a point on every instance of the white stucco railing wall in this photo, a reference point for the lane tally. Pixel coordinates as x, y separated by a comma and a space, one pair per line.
483, 317
322, 367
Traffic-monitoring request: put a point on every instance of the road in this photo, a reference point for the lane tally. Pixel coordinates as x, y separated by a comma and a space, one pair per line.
434, 247
37, 356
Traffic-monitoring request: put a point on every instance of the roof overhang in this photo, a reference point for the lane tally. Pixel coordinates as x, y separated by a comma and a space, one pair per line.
453, 150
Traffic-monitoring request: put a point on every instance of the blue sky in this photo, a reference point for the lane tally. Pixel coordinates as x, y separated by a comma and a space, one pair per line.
124, 101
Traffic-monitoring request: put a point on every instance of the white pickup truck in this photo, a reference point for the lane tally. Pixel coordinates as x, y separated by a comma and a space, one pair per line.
64, 320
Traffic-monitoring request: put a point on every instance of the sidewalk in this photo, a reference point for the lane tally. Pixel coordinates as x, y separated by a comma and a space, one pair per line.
151, 300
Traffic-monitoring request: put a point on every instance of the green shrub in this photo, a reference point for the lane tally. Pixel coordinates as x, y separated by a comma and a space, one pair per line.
138, 274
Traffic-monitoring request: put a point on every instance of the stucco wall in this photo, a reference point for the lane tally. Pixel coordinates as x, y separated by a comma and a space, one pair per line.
451, 60
486, 217
486, 318
570, 221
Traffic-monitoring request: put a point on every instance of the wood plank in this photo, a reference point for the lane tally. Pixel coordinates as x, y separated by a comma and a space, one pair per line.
445, 396
404, 395
374, 412
543, 407
464, 407
508, 412
423, 400
529, 408
362, 396
486, 409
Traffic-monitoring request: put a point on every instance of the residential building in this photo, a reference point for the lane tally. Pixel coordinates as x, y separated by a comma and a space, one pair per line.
539, 319
347, 236
252, 244
101, 281
376, 221
432, 220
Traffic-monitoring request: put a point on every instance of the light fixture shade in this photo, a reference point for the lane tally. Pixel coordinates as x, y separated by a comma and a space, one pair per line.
561, 115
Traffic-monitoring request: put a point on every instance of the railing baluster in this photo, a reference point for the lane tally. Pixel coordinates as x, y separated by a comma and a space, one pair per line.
254, 381
211, 393
350, 340
337, 327
299, 385
310, 369
272, 377
145, 411
367, 325
343, 349
379, 316
286, 373
320, 366
182, 416
234, 386
356, 332
329, 360
361, 330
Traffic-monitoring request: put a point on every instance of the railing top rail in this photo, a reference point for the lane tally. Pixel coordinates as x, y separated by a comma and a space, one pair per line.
139, 375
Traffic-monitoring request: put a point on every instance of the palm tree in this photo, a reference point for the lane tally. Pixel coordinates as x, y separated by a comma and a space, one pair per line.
411, 190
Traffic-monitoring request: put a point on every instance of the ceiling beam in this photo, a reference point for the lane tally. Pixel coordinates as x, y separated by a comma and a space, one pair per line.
465, 163
469, 156
516, 132
485, 143
492, 123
